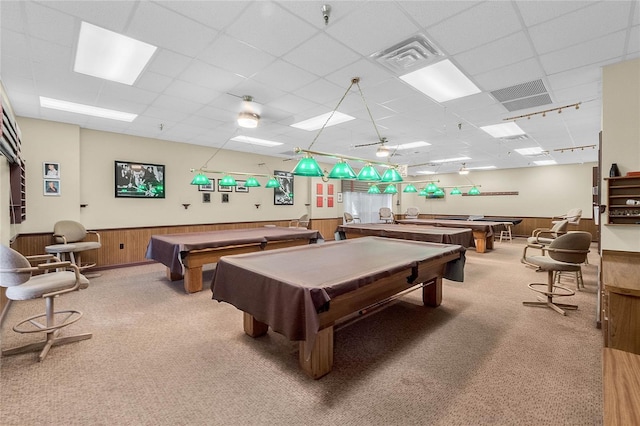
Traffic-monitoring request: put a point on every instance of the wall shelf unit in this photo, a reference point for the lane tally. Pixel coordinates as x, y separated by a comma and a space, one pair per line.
621, 189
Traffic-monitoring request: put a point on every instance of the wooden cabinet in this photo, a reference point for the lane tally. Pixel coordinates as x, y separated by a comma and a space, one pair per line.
622, 189
621, 325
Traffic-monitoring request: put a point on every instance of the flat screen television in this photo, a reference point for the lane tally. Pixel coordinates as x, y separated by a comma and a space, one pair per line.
139, 180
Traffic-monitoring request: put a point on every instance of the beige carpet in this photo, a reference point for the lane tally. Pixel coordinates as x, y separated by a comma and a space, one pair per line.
162, 357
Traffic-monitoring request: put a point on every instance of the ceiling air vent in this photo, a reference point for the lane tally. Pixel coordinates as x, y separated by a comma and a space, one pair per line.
413, 53
523, 96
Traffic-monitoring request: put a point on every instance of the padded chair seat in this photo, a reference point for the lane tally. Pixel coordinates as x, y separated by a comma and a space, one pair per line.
87, 245
39, 285
546, 263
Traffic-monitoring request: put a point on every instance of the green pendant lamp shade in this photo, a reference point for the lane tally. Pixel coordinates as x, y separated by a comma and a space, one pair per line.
252, 182
228, 180
309, 167
455, 191
369, 173
391, 175
390, 189
423, 192
474, 191
342, 170
431, 188
373, 189
272, 183
200, 179
410, 188
439, 193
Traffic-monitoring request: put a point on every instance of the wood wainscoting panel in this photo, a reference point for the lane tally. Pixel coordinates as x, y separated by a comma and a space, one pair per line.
128, 246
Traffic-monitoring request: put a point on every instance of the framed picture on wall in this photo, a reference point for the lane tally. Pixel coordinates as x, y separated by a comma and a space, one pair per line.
51, 187
51, 170
210, 187
224, 188
240, 187
139, 180
283, 195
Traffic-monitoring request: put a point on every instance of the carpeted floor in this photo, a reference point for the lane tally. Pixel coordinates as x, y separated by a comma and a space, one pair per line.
161, 357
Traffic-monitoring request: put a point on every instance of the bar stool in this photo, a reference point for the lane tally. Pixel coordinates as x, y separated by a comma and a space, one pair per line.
506, 234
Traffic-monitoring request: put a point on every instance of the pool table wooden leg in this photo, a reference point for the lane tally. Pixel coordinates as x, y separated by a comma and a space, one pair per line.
320, 361
432, 293
173, 276
192, 279
481, 241
253, 327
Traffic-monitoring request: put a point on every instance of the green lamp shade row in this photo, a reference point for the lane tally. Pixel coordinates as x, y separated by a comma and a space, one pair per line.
369, 173
423, 192
439, 193
228, 180
200, 179
373, 189
252, 182
390, 189
455, 191
431, 188
308, 166
272, 183
342, 170
474, 191
391, 175
410, 188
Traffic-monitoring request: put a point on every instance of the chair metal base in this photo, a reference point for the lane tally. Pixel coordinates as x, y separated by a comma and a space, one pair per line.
551, 290
45, 345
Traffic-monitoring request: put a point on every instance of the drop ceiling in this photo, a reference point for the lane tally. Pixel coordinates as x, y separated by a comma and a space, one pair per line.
212, 53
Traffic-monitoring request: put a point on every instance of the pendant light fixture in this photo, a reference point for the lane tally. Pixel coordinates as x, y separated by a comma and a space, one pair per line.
308, 166
391, 175
410, 188
272, 183
391, 189
252, 182
455, 191
373, 189
474, 191
227, 180
249, 116
200, 179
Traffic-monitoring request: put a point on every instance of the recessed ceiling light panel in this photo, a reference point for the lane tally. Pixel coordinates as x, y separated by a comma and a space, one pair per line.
409, 145
86, 109
255, 141
316, 123
105, 54
503, 130
545, 162
441, 81
534, 150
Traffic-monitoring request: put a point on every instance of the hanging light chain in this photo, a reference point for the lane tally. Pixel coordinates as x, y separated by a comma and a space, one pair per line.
354, 80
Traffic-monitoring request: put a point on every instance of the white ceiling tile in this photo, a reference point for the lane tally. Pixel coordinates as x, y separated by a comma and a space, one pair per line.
202, 74
352, 29
312, 55
535, 12
428, 13
163, 28
269, 27
100, 13
521, 72
634, 40
153, 82
168, 63
505, 51
11, 18
291, 77
595, 51
189, 91
237, 57
586, 24
39, 19
575, 77
475, 27
213, 14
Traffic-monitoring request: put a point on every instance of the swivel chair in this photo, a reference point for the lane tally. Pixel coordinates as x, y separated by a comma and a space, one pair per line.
349, 218
572, 216
16, 275
71, 237
412, 213
303, 222
386, 215
541, 237
565, 253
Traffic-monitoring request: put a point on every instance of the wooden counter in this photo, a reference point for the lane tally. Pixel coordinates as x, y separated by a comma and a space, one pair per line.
621, 387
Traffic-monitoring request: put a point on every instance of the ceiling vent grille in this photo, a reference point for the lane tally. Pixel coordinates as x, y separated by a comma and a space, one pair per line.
414, 53
522, 96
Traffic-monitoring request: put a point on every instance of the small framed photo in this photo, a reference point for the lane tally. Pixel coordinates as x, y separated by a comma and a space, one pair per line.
51, 187
206, 197
51, 170
240, 187
224, 188
225, 198
210, 187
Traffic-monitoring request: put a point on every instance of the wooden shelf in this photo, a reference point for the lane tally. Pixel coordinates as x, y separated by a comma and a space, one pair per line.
621, 189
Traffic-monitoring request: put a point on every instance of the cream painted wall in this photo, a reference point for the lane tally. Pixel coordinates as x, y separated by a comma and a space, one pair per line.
47, 141
91, 154
620, 141
543, 191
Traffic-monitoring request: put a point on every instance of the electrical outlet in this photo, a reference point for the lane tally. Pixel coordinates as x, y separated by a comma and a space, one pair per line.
121, 246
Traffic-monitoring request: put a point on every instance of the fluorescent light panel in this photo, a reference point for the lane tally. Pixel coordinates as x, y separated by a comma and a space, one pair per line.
316, 123
104, 54
409, 145
545, 162
255, 141
425, 172
534, 150
449, 160
86, 109
441, 81
503, 130
481, 168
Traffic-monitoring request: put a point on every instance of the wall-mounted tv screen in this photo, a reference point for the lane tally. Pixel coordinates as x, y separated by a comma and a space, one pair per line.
139, 180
